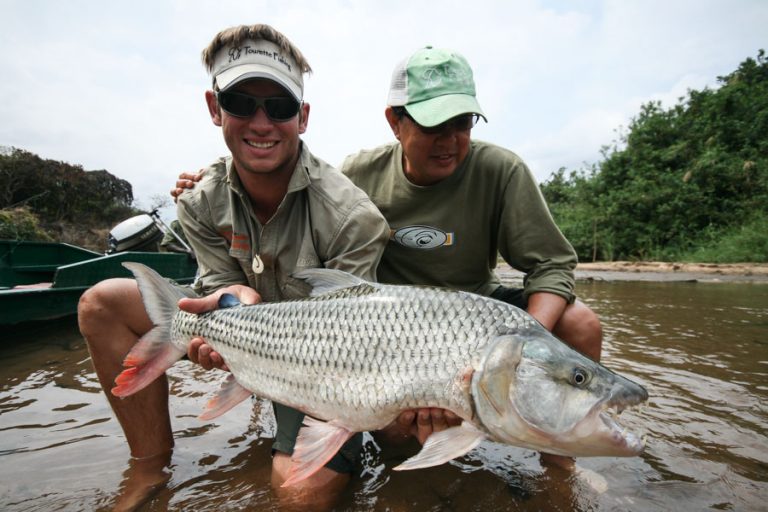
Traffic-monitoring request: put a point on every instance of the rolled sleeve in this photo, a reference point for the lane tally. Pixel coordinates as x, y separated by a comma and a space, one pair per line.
530, 241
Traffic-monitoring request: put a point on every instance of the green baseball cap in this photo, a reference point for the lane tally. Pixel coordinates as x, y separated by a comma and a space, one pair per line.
434, 85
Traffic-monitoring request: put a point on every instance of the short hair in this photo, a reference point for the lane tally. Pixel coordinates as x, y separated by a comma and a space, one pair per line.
233, 36
399, 111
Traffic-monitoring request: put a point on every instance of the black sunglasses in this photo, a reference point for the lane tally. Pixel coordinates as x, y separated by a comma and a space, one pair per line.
278, 109
460, 123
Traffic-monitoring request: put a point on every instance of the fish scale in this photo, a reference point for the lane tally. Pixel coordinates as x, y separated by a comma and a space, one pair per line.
344, 349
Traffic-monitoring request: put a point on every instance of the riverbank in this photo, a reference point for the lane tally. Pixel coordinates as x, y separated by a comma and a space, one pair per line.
661, 271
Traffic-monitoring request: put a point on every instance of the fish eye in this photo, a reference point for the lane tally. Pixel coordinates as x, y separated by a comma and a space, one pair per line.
579, 377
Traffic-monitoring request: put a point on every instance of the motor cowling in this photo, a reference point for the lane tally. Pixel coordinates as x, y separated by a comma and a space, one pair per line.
139, 233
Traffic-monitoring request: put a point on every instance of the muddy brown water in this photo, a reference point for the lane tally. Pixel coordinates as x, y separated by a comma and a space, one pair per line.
701, 349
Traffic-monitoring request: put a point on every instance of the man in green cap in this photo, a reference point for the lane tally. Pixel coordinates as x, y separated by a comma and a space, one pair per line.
454, 204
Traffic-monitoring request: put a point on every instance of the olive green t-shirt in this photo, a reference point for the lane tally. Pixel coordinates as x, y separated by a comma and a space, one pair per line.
451, 233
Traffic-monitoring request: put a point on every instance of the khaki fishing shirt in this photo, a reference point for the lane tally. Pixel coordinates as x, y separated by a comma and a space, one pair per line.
323, 221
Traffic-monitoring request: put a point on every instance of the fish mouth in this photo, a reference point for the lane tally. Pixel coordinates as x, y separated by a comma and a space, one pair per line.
631, 442
604, 418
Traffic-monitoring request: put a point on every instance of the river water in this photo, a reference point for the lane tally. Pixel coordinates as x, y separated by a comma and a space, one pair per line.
701, 350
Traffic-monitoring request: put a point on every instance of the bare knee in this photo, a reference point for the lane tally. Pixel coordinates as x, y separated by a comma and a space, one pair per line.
91, 306
581, 329
111, 307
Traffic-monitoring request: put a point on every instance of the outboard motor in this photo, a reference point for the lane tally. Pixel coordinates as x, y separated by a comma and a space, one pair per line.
147, 233
139, 233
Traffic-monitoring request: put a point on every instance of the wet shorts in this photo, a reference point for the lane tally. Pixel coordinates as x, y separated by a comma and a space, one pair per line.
512, 296
288, 425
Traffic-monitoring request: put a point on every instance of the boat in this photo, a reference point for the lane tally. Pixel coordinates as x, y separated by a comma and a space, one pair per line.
44, 280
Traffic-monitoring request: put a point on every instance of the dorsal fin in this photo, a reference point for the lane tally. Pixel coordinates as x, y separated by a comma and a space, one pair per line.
326, 280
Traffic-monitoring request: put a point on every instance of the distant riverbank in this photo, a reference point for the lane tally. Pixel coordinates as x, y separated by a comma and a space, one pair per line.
661, 271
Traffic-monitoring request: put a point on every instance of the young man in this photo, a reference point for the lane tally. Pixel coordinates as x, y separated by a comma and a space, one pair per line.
269, 209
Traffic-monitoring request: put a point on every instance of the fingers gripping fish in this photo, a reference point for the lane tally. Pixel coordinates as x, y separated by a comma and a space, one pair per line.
355, 354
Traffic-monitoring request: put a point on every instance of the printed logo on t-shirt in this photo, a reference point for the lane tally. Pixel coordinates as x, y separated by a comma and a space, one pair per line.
421, 237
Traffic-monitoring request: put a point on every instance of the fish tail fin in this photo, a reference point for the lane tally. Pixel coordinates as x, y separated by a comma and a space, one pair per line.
154, 353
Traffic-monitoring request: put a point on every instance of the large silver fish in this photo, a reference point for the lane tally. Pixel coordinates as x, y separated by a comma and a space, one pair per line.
355, 354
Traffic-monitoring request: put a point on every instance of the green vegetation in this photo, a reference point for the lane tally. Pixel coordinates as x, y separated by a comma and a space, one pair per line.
685, 184
51, 200
21, 224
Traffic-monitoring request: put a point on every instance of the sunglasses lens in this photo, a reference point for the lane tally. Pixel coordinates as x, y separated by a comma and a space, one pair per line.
464, 123
240, 105
281, 109
459, 124
431, 130
244, 105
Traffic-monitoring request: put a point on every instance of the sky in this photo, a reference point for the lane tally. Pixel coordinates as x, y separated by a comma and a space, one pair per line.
119, 85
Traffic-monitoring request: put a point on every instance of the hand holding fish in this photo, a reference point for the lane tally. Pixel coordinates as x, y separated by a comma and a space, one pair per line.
419, 423
199, 351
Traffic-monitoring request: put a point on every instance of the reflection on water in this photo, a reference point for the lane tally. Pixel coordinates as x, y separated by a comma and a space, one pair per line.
700, 349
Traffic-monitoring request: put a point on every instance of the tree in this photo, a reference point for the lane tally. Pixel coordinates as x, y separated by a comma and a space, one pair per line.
51, 192
678, 179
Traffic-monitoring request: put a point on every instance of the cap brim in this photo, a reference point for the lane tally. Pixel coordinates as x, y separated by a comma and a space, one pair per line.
235, 75
438, 110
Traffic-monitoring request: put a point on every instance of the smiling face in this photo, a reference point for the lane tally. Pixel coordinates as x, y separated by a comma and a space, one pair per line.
429, 157
258, 144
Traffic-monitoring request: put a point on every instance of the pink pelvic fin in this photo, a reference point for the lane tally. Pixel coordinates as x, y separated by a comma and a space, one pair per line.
317, 443
230, 394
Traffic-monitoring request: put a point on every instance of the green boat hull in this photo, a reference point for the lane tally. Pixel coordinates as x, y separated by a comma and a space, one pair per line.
54, 276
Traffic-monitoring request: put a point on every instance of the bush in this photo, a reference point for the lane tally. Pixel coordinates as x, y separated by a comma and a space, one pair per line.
748, 243
21, 224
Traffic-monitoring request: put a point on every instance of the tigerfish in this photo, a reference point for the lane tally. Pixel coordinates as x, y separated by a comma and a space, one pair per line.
354, 354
